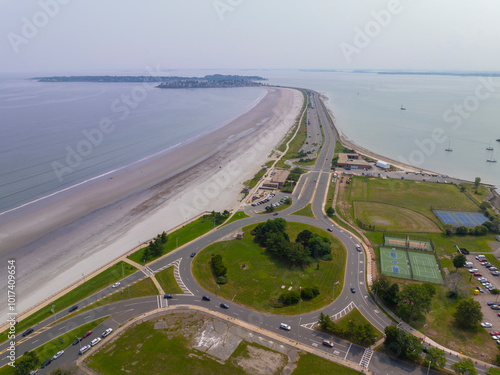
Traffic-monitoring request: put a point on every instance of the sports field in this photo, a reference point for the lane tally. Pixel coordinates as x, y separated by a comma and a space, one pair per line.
420, 266
408, 243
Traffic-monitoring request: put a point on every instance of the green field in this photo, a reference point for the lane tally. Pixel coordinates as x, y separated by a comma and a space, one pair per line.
167, 281
386, 217
255, 278
310, 364
180, 237
357, 318
251, 183
413, 195
306, 211
237, 216
98, 282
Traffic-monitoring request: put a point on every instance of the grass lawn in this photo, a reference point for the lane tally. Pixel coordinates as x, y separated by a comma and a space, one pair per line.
255, 278
98, 282
142, 288
180, 237
237, 216
413, 195
387, 217
306, 211
282, 146
311, 364
62, 342
330, 195
145, 350
167, 281
470, 190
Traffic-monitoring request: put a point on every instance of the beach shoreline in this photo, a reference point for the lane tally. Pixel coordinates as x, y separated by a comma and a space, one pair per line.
150, 199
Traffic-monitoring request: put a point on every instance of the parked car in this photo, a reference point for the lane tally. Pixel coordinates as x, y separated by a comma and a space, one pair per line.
328, 343
495, 307
493, 269
480, 257
473, 270
487, 324
477, 274
205, 298
87, 334
78, 339
107, 332
58, 354
84, 349
490, 303
285, 327
46, 363
95, 341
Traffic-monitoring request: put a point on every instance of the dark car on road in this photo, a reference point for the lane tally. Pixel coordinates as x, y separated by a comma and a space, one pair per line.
28, 331
73, 308
193, 254
87, 334
78, 339
46, 363
224, 305
353, 290
168, 296
205, 298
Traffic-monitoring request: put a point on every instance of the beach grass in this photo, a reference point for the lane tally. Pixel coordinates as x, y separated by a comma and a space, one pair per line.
470, 190
180, 237
167, 281
386, 217
306, 211
311, 364
61, 342
282, 146
255, 180
98, 282
255, 279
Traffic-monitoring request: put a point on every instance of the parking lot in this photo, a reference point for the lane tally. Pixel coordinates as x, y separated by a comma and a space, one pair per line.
491, 313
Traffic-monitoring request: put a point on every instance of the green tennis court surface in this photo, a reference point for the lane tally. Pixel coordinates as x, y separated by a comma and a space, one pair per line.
394, 262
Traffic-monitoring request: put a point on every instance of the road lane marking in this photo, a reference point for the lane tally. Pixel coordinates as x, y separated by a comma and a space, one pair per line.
349, 348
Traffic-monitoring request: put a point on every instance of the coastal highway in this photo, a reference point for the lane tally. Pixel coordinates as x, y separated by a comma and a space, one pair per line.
311, 188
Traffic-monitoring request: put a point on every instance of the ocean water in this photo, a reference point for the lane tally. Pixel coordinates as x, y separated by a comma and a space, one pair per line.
57, 135
460, 112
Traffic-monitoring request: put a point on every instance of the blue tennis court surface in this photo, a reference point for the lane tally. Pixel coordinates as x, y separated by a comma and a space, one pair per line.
395, 269
393, 255
456, 218
394, 262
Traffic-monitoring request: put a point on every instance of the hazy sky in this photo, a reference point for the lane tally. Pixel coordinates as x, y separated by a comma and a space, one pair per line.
85, 35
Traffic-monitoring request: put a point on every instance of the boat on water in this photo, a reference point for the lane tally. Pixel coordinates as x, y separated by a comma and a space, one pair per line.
449, 149
498, 140
404, 109
489, 148
490, 159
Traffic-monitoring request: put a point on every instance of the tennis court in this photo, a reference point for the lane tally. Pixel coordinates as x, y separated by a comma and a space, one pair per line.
407, 243
394, 262
424, 267
456, 218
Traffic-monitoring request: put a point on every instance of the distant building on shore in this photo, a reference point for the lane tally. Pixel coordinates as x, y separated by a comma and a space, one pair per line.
353, 161
383, 164
277, 179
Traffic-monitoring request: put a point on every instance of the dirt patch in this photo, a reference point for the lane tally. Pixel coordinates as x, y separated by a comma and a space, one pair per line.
379, 221
261, 362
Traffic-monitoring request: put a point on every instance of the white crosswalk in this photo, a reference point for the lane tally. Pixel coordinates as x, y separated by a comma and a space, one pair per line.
346, 310
177, 275
365, 360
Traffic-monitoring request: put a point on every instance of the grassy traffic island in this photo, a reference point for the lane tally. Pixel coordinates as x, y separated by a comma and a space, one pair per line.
258, 277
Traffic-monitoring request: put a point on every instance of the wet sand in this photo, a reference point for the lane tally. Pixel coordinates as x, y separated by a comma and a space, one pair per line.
75, 233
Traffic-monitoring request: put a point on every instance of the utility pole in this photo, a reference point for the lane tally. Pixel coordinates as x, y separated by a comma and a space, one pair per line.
333, 293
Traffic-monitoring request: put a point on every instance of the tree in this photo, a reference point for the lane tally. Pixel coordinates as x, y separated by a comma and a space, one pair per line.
26, 363
414, 299
456, 285
319, 246
269, 209
480, 230
477, 181
164, 237
464, 367
288, 201
468, 313
449, 229
304, 237
495, 291
330, 211
326, 324
436, 357
459, 261
402, 344
493, 371
461, 230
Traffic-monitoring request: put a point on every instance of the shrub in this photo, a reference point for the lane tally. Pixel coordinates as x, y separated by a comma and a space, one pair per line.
221, 280
218, 268
290, 298
309, 293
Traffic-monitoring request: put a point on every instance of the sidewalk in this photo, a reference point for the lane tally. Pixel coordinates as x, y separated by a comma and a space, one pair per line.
151, 276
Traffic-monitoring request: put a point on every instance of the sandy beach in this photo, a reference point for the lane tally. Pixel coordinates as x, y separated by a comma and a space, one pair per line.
68, 236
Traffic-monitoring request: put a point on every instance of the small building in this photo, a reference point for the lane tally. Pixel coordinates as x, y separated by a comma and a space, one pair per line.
383, 164
353, 161
277, 179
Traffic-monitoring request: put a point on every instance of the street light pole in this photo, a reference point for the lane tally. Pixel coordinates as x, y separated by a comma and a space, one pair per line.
333, 293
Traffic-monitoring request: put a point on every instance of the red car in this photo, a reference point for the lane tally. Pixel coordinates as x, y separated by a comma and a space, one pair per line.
478, 274
494, 333
87, 334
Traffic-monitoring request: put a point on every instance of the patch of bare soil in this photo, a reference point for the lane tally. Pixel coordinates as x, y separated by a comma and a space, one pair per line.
261, 362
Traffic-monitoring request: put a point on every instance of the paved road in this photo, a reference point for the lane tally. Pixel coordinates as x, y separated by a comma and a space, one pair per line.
312, 187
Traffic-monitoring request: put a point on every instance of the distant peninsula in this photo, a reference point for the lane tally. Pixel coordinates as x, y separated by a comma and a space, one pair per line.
208, 81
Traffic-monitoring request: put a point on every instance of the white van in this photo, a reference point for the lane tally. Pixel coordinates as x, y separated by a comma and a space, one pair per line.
84, 349
469, 264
